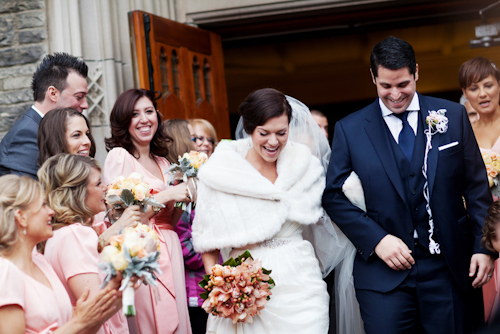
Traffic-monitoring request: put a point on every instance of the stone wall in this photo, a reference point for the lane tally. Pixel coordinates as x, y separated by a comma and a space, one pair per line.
23, 43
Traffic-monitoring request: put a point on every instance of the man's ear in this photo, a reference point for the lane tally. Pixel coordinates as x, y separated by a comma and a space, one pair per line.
52, 94
373, 77
416, 72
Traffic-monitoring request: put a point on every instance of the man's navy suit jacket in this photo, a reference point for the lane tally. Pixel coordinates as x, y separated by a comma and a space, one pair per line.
362, 144
19, 149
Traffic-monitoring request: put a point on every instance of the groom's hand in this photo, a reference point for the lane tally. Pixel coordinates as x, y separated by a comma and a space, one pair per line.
483, 264
395, 253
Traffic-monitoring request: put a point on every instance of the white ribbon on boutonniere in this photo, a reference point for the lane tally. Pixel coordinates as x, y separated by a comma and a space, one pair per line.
437, 122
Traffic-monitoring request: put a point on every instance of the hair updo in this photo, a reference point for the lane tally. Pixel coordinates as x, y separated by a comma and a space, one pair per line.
64, 178
261, 105
18, 192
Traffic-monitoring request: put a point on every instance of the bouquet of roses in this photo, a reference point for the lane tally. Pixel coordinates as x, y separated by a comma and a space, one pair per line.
187, 167
135, 251
492, 163
124, 192
238, 289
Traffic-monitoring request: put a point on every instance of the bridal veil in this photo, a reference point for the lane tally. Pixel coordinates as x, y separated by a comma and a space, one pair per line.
333, 249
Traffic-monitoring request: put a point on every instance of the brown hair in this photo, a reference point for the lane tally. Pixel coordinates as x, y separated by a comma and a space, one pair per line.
120, 118
261, 105
181, 142
475, 70
490, 226
51, 136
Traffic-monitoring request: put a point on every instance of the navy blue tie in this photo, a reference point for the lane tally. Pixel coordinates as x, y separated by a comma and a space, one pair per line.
406, 136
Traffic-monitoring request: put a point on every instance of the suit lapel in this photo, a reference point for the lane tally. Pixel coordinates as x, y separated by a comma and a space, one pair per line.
432, 159
375, 129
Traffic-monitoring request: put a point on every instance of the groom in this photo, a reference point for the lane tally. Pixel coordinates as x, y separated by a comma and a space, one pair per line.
408, 277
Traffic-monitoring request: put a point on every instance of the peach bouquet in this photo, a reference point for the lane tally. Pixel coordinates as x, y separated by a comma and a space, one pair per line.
185, 170
123, 192
135, 251
492, 163
238, 289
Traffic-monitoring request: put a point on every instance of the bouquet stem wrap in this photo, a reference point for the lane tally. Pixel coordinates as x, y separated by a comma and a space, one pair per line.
128, 300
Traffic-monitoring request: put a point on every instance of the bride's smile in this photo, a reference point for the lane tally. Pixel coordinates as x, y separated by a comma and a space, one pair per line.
269, 139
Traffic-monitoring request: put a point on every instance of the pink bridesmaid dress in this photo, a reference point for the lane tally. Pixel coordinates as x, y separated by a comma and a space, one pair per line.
168, 313
45, 308
73, 251
491, 296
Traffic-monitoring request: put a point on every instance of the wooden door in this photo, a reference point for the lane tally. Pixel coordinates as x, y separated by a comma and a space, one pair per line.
184, 66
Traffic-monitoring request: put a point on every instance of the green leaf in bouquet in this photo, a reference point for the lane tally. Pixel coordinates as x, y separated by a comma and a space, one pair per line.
127, 196
204, 295
266, 272
230, 262
242, 257
204, 282
270, 282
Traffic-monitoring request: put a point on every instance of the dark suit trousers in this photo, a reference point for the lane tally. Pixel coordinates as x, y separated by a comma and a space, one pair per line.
428, 301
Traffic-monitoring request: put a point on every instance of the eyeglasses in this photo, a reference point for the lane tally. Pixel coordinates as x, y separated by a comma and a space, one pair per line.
200, 140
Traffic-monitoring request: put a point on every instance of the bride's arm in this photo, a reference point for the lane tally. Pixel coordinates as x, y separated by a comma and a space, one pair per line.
210, 259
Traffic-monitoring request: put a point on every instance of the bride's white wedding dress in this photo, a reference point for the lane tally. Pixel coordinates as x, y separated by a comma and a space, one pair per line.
299, 303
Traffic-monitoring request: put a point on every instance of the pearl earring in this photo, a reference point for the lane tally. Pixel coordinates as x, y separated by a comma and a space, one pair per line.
24, 231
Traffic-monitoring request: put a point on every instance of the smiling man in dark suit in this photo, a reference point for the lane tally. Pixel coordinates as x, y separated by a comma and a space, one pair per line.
419, 252
59, 81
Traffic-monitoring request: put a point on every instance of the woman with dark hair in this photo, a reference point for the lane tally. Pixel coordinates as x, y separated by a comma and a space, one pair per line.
480, 81
269, 187
138, 143
182, 138
64, 130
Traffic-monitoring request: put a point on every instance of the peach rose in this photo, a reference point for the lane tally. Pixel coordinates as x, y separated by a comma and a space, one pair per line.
487, 159
136, 177
495, 165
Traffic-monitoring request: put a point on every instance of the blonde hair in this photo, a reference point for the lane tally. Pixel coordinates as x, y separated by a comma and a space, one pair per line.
64, 179
207, 127
18, 193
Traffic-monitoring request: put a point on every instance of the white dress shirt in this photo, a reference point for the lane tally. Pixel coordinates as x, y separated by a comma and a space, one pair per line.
38, 111
394, 123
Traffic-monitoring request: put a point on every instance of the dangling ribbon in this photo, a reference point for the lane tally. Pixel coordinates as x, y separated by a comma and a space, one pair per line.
437, 123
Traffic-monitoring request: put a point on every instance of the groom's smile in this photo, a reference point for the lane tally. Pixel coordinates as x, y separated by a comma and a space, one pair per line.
395, 88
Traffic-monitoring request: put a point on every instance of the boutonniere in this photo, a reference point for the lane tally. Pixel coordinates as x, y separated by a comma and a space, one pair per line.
437, 122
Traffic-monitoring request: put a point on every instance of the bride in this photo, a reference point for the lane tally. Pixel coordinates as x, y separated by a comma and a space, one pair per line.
262, 193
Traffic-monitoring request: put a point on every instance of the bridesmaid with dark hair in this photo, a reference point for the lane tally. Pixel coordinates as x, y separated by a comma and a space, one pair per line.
64, 130
138, 143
